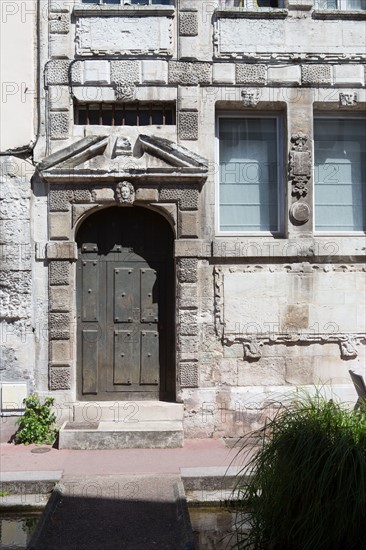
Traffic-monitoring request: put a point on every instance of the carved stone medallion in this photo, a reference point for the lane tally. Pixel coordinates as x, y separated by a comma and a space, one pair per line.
299, 213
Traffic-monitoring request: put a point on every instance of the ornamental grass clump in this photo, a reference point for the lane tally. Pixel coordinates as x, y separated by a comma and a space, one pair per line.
37, 425
307, 490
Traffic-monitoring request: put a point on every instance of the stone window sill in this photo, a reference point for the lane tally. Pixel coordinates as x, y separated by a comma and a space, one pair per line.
107, 10
260, 13
355, 15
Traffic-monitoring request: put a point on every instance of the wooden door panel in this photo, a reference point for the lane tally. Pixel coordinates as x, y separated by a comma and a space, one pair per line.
124, 290
149, 296
90, 338
126, 357
90, 297
149, 357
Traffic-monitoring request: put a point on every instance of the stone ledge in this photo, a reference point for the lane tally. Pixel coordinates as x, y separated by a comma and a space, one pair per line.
261, 13
340, 14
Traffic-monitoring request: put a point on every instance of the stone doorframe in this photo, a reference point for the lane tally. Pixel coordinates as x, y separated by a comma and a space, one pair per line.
74, 196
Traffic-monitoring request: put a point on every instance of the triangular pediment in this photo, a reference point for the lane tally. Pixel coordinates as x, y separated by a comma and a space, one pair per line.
113, 157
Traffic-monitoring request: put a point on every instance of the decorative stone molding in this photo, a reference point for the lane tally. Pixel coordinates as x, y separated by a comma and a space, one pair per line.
250, 73
252, 350
188, 23
129, 33
59, 377
219, 301
59, 125
315, 74
348, 100
188, 375
299, 164
57, 71
125, 193
188, 125
348, 348
186, 197
125, 92
187, 270
189, 74
59, 23
59, 273
250, 98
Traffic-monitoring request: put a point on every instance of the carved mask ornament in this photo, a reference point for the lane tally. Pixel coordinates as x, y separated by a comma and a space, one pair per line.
125, 193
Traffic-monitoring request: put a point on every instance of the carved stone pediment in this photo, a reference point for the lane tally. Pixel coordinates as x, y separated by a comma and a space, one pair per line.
110, 158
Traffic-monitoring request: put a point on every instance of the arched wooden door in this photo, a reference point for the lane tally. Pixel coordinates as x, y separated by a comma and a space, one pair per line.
125, 306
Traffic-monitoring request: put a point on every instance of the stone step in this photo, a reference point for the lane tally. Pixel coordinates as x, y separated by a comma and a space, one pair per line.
121, 435
127, 411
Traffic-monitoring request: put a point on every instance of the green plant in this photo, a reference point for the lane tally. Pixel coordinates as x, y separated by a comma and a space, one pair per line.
4, 493
37, 425
308, 485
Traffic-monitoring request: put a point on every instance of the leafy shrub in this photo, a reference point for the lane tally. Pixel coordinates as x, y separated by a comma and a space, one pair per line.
37, 425
308, 485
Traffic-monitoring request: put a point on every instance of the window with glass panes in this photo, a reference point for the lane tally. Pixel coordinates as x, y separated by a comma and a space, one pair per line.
249, 175
340, 174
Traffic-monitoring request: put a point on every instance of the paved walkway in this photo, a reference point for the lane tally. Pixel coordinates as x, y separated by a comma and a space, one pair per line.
196, 453
129, 499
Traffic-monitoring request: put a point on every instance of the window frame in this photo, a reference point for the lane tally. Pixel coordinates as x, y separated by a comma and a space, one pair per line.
281, 188
332, 116
123, 4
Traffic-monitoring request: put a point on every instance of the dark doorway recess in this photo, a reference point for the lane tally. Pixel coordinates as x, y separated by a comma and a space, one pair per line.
125, 306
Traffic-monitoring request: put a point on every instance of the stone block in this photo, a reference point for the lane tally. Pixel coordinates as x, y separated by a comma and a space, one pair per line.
12, 395
188, 98
186, 197
287, 74
59, 273
349, 75
59, 200
154, 72
188, 296
299, 370
187, 270
188, 375
59, 23
188, 226
59, 125
188, 23
76, 72
147, 195
59, 326
188, 125
223, 73
188, 344
271, 371
14, 231
189, 74
59, 299
60, 351
57, 250
250, 73
59, 377
96, 72
60, 226
59, 98
57, 71
315, 74
125, 72
103, 194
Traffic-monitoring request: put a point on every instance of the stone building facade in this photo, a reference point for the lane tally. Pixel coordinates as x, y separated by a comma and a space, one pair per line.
218, 149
